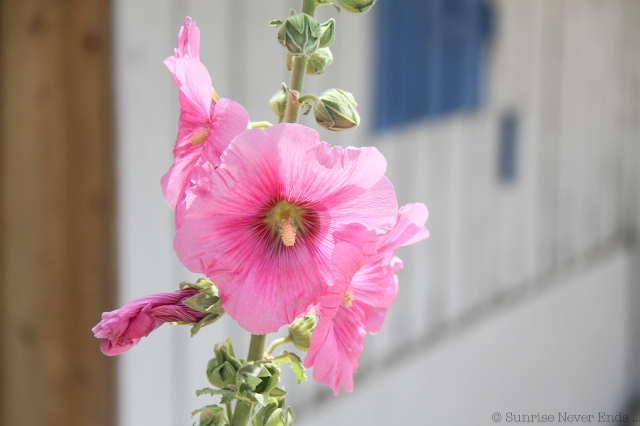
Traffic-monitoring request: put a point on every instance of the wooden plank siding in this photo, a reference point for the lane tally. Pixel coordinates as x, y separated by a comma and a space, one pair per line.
56, 214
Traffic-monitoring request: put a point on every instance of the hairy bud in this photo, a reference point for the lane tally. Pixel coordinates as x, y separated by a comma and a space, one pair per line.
336, 110
356, 6
300, 34
319, 61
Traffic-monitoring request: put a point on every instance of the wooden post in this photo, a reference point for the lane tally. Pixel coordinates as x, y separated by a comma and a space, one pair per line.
56, 211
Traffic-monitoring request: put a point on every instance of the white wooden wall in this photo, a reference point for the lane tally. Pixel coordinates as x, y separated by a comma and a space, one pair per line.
570, 69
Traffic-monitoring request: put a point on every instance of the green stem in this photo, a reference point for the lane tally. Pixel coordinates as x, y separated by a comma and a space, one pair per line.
277, 343
297, 73
307, 97
256, 353
229, 411
309, 7
295, 88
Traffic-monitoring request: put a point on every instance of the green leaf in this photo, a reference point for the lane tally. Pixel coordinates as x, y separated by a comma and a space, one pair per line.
275, 23
296, 364
226, 393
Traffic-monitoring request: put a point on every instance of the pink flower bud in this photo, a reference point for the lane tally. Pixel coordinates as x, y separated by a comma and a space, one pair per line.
123, 328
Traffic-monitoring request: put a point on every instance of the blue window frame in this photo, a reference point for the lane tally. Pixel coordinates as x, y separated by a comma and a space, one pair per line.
430, 58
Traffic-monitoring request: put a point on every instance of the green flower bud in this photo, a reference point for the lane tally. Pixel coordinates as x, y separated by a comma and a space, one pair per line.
278, 102
273, 414
319, 61
328, 33
300, 34
256, 380
213, 415
336, 110
221, 370
300, 331
220, 375
356, 6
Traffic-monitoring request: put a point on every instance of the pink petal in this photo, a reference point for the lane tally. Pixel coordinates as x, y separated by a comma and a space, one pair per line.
195, 86
188, 40
409, 228
335, 347
228, 120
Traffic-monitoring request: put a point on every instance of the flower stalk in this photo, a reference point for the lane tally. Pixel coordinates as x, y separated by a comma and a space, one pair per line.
297, 73
256, 353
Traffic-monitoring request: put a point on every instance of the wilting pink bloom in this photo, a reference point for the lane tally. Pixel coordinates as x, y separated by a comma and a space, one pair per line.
261, 225
123, 328
205, 123
365, 286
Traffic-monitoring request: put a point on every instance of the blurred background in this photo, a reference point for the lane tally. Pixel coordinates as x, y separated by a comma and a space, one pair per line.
516, 122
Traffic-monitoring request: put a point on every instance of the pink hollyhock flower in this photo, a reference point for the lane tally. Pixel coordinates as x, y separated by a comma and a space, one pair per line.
365, 286
206, 122
260, 225
123, 328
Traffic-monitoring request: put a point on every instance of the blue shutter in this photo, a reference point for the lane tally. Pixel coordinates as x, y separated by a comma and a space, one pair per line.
430, 58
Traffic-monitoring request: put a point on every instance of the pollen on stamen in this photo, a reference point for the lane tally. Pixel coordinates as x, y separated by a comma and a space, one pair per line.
200, 136
347, 300
287, 232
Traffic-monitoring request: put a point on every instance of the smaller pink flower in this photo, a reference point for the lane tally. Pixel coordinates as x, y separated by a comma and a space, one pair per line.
123, 328
365, 285
205, 123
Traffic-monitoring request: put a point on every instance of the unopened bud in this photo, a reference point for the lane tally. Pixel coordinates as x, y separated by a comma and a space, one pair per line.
273, 414
356, 6
300, 34
213, 416
221, 370
278, 102
336, 110
220, 376
328, 33
300, 331
319, 61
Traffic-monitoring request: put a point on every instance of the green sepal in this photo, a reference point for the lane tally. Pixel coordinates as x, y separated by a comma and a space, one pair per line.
288, 421
277, 393
328, 35
295, 362
275, 23
208, 320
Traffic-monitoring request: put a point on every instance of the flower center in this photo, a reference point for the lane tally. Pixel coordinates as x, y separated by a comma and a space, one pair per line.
286, 221
200, 136
348, 299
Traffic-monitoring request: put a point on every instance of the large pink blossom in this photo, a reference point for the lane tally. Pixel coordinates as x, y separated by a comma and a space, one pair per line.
261, 224
123, 328
204, 124
364, 269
